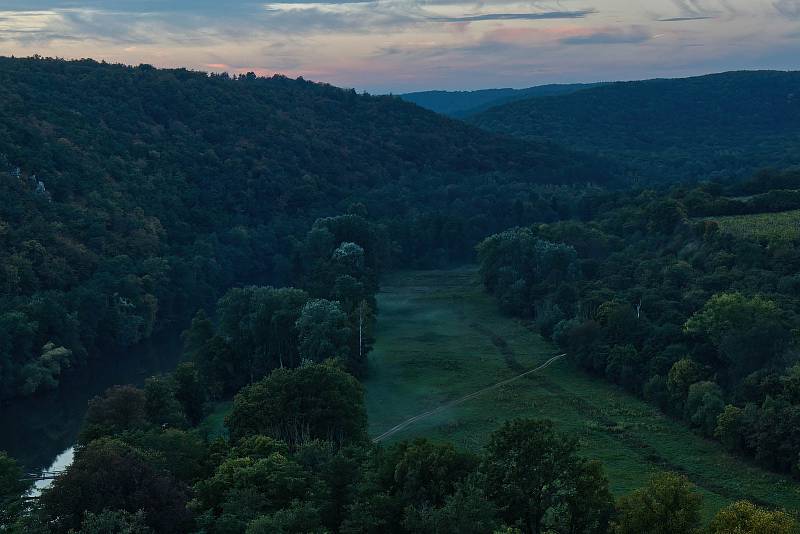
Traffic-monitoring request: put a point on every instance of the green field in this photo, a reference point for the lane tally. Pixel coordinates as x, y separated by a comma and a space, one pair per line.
439, 337
771, 226
213, 426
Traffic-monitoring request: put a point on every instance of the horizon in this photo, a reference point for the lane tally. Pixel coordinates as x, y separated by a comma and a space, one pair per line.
390, 93
589, 82
402, 266
396, 46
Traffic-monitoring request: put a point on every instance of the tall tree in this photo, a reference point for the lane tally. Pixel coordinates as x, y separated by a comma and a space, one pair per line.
298, 405
189, 391
11, 488
748, 332
200, 331
244, 489
323, 331
161, 406
744, 517
668, 504
119, 409
116, 522
532, 471
107, 474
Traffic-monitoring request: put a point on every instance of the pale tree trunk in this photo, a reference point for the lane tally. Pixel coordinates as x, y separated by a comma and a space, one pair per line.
360, 333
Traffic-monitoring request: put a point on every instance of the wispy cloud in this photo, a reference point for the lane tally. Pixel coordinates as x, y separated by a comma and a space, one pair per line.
43, 27
690, 8
415, 44
547, 15
788, 8
684, 19
610, 36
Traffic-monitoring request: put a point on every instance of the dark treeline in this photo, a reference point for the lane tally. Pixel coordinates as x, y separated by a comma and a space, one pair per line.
133, 196
769, 191
296, 456
297, 459
701, 322
715, 126
137, 196
465, 103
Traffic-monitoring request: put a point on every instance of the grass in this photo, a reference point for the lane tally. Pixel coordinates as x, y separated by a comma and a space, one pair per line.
439, 337
770, 226
213, 425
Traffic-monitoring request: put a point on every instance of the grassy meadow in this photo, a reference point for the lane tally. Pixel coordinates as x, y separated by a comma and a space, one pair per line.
769, 226
440, 337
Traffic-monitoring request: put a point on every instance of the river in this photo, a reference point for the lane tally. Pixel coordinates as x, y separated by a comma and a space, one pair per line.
40, 432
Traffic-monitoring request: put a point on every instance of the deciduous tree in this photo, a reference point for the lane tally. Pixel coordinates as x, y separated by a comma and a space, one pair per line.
298, 405
744, 517
668, 504
532, 472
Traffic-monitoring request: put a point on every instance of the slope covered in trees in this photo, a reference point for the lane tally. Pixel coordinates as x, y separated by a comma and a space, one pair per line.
718, 125
134, 195
650, 292
137, 195
466, 103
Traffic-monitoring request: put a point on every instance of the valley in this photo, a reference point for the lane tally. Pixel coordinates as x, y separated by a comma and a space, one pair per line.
440, 337
619, 351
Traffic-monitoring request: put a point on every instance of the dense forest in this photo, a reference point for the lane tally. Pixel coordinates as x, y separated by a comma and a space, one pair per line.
133, 196
649, 291
716, 126
296, 457
257, 215
465, 103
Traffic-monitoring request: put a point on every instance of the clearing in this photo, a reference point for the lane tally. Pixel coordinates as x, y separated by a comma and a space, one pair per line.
784, 225
441, 338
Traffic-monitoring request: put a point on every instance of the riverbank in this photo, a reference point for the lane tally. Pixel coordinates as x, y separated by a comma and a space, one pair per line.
37, 430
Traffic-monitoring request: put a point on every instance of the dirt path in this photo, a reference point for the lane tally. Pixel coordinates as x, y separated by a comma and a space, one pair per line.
408, 422
441, 346
640, 446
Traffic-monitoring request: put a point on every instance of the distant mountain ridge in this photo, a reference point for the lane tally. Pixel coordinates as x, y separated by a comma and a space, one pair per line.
465, 103
724, 125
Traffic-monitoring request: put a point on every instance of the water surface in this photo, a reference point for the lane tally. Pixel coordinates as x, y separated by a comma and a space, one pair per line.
40, 432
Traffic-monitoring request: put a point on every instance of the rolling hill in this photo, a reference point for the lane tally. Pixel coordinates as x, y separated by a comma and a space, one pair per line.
132, 195
720, 125
466, 103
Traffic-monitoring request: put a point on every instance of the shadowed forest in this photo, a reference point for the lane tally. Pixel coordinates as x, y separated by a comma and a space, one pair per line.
366, 292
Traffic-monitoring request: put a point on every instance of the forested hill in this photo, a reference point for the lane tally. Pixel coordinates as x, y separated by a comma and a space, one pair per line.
60, 115
693, 128
133, 195
465, 103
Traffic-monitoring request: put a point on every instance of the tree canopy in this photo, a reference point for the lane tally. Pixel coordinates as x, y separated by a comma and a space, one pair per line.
316, 401
135, 195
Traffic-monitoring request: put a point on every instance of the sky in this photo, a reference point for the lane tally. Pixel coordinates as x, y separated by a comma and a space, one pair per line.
397, 46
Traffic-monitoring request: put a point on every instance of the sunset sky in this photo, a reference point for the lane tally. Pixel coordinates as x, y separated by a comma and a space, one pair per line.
406, 45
